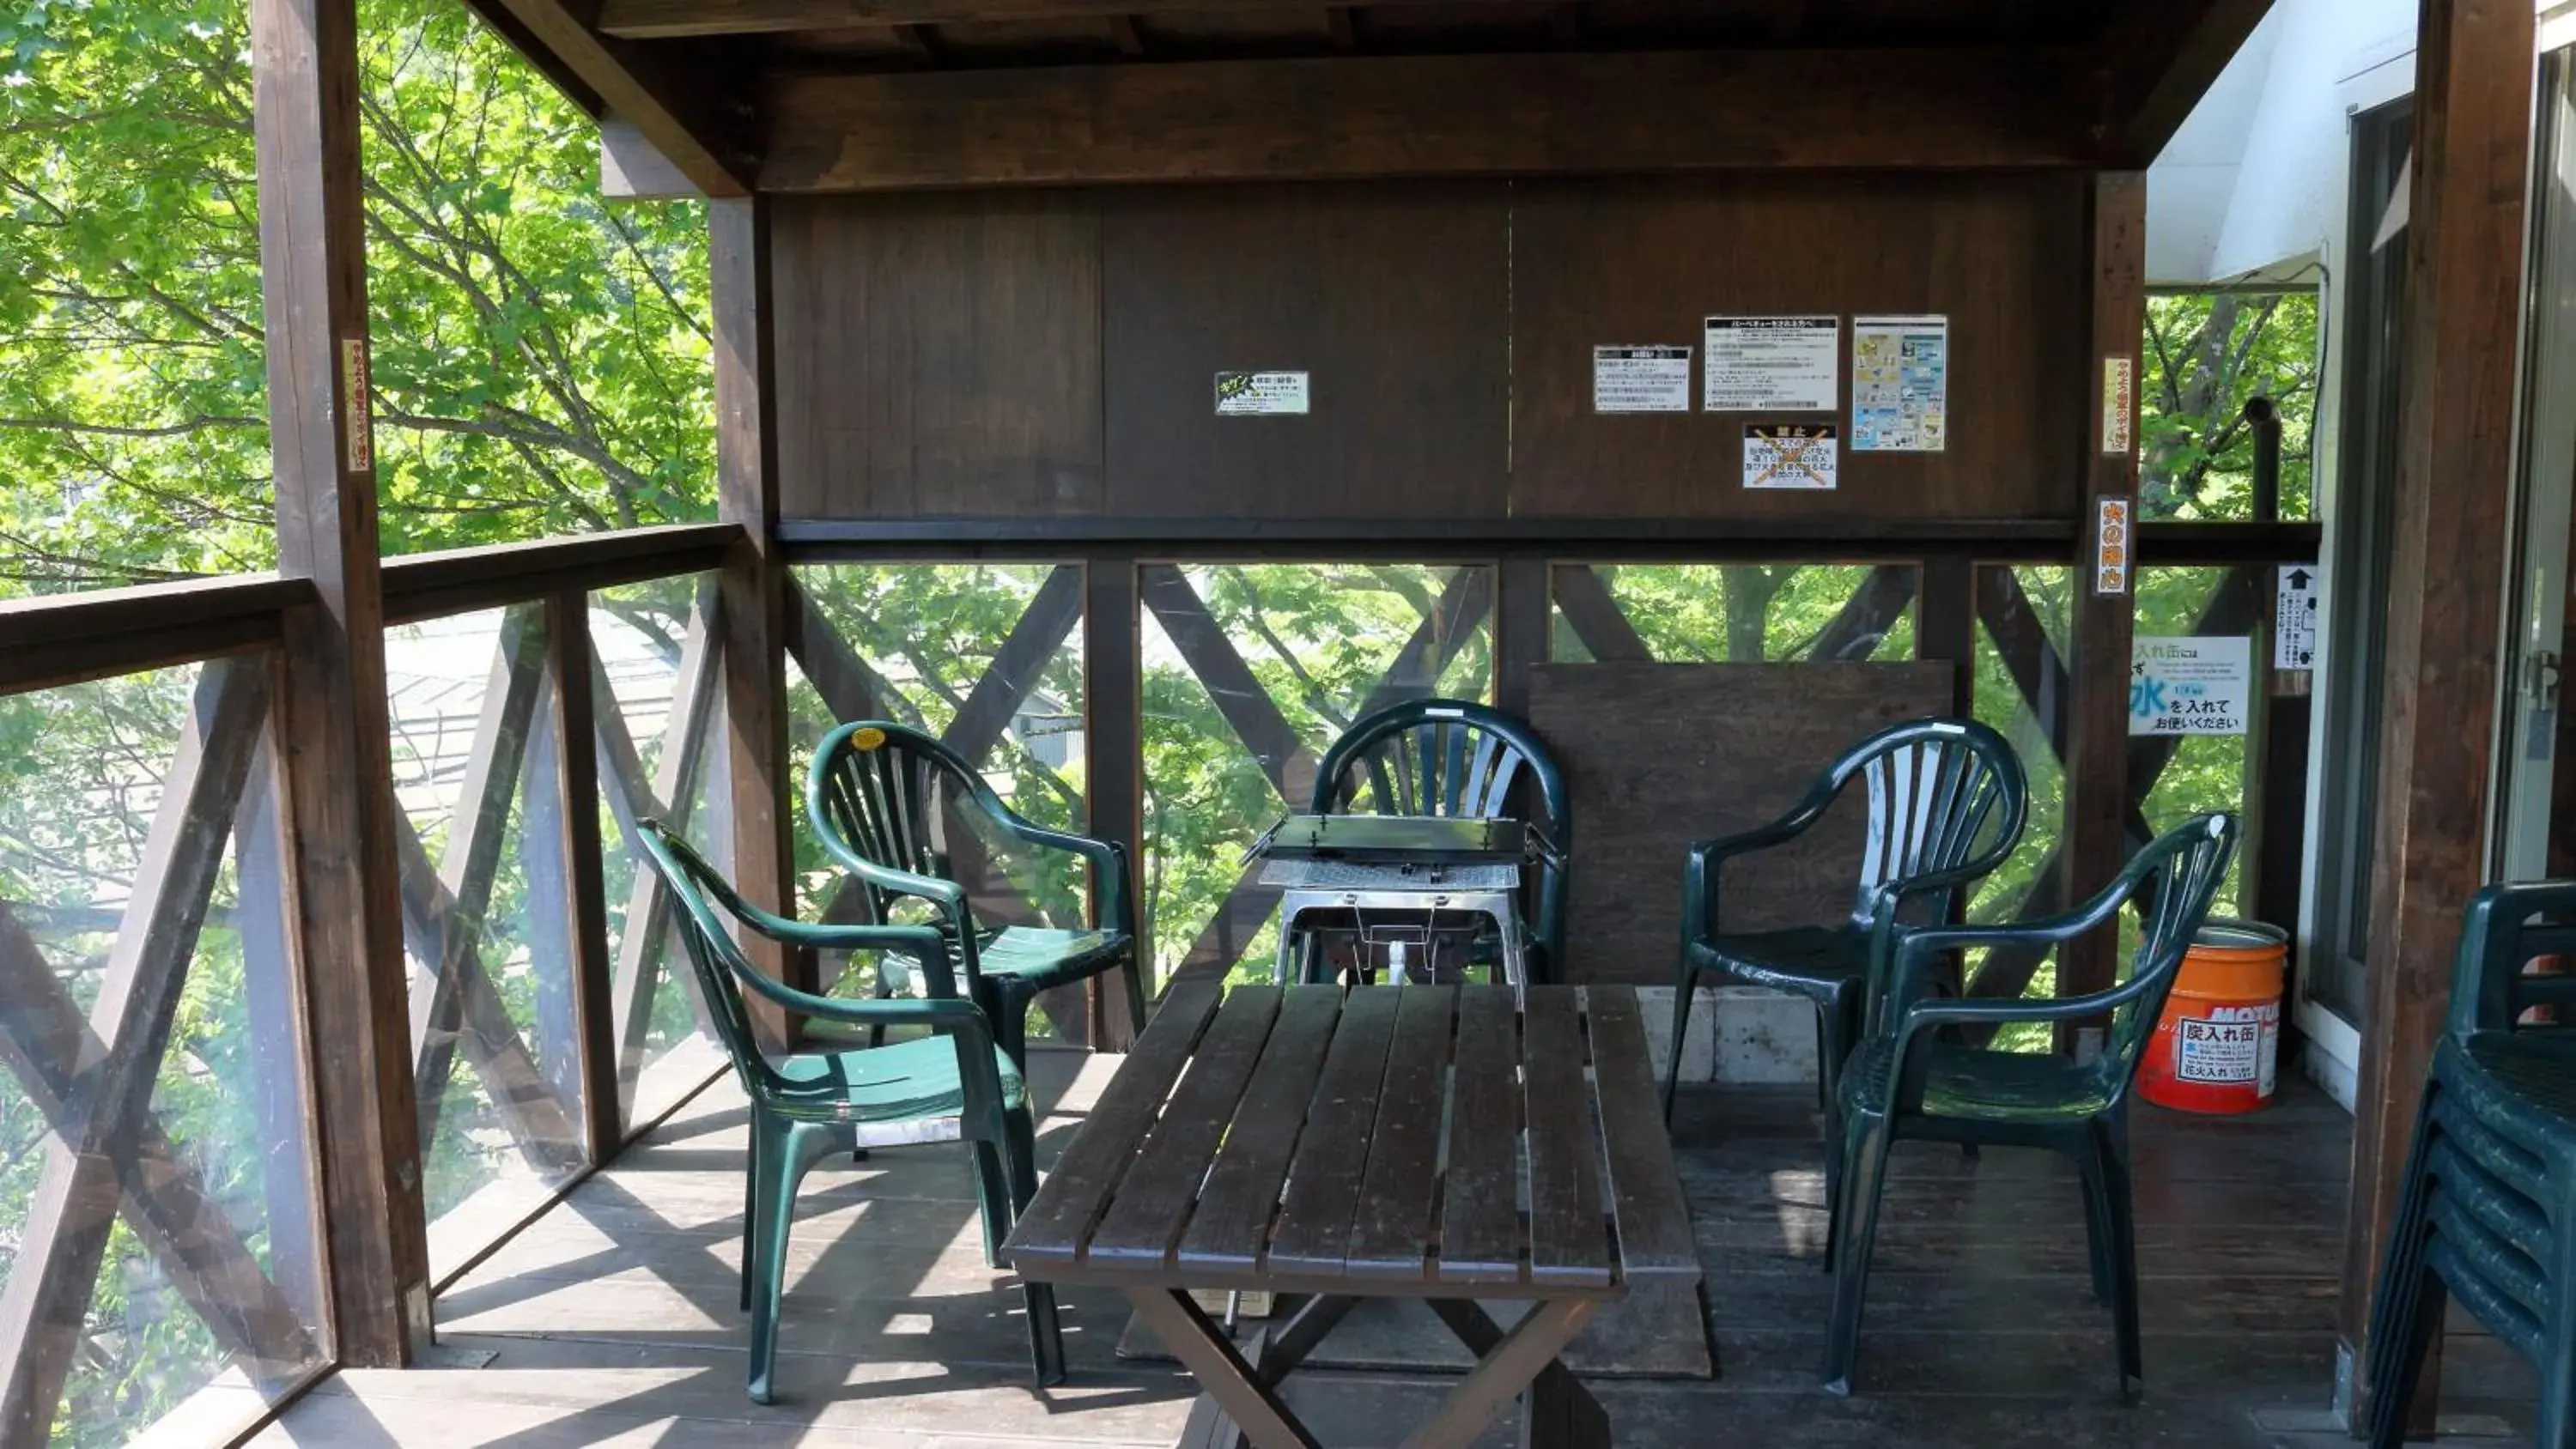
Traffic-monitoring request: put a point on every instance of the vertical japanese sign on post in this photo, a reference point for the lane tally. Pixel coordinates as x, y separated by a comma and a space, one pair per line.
2114, 545
2119, 406
2294, 618
355, 423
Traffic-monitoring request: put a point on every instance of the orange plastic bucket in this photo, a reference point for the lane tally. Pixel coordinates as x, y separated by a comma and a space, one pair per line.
2218, 1043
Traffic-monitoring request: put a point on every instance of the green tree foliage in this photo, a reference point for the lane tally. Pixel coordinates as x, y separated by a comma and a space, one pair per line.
539, 356
2207, 355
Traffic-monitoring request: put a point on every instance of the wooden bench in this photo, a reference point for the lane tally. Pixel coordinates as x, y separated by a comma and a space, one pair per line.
1444, 1143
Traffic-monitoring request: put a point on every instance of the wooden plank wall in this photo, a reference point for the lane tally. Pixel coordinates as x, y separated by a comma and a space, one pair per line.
1035, 354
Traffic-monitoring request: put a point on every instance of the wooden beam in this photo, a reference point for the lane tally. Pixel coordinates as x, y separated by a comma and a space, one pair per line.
2158, 59
55, 639
1113, 767
675, 102
571, 672
462, 580
339, 804
1523, 621
1130, 36
2097, 733
2451, 520
759, 779
1872, 610
632, 168
1486, 115
676, 19
1593, 613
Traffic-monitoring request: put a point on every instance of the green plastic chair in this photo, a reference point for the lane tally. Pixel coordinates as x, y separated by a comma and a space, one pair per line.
2487, 1212
1909, 1078
950, 1086
1461, 760
876, 794
1946, 804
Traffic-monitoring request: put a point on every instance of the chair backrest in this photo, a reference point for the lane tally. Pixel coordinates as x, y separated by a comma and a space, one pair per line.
1943, 793
2172, 882
1459, 759
713, 956
2506, 928
883, 789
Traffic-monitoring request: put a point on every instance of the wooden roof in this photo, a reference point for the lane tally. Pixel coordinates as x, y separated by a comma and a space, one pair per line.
788, 95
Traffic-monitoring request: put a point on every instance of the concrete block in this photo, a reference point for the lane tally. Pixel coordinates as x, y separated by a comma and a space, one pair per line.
1757, 1035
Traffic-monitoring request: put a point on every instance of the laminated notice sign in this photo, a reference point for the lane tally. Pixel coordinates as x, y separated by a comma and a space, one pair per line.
2119, 405
2294, 618
2190, 686
1796, 456
1772, 365
1900, 384
1641, 379
2111, 546
1260, 394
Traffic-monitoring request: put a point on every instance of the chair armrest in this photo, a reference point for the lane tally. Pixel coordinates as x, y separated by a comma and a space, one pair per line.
925, 944
1707, 858
1107, 857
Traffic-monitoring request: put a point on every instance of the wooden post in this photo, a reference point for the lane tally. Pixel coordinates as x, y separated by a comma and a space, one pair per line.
754, 618
2448, 570
1945, 623
1113, 745
339, 776
2097, 733
573, 676
1523, 614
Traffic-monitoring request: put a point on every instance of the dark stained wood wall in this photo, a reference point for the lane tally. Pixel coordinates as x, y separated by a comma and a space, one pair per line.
1052, 353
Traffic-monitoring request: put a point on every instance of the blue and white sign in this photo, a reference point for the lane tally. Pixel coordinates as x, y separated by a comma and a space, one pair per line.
2190, 686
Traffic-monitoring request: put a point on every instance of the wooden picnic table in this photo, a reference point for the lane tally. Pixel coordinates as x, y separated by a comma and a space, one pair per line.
1443, 1143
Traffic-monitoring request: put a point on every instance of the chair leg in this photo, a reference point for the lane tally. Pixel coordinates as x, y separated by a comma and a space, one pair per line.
1864, 1152
2401, 1262
2097, 1220
756, 1154
993, 1195
2122, 1258
1020, 1141
2392, 1398
785, 1167
1046, 1334
1010, 1021
1684, 988
1135, 993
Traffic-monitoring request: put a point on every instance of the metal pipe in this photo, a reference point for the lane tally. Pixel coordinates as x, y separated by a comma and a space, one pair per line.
2265, 419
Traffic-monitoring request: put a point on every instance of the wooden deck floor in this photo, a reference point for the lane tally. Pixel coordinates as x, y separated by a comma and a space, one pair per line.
612, 1319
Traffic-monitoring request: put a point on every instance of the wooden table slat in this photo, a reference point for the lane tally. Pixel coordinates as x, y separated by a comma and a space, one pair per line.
1071, 1200
1480, 1221
1391, 1231
1153, 1203
1655, 1239
1242, 1192
1569, 1236
1324, 1180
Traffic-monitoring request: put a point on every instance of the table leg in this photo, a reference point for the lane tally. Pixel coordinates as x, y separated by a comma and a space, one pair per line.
1296, 1336
1210, 1356
1509, 1364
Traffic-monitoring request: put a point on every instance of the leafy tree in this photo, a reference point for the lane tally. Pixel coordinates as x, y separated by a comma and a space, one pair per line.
2207, 355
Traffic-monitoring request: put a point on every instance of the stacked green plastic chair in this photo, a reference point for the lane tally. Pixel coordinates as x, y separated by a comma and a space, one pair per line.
877, 794
1912, 1078
2487, 1212
951, 1085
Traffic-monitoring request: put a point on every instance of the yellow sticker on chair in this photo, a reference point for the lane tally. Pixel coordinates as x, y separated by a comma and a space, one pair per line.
870, 738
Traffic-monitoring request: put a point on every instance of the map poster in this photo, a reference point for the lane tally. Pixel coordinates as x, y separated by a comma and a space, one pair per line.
1900, 384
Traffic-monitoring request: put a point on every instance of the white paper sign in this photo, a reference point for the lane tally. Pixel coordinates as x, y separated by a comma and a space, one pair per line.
1641, 379
2294, 618
1900, 384
2190, 686
1793, 456
1260, 394
1772, 365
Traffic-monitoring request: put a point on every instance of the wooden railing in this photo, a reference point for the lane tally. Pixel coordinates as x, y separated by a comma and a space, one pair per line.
550, 737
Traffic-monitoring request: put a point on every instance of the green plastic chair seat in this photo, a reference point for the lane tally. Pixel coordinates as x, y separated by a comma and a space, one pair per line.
2530, 1075
1986, 1086
902, 1081
1041, 958
1813, 961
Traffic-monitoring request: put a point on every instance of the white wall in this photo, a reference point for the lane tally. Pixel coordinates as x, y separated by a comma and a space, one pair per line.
2251, 187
